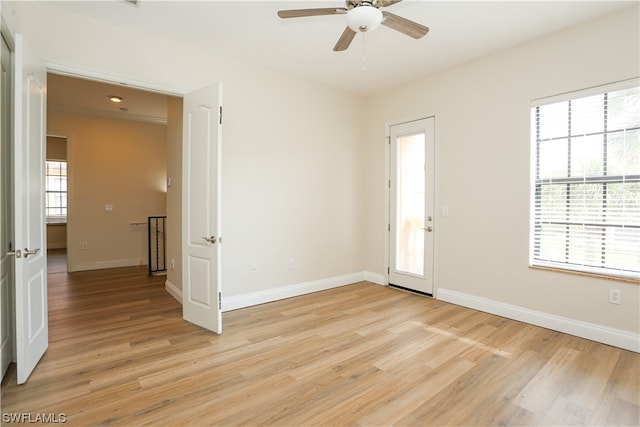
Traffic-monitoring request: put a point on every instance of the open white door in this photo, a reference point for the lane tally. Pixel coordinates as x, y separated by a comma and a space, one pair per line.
32, 329
201, 168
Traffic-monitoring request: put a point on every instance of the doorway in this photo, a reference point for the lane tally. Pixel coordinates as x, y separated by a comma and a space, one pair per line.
56, 196
116, 174
412, 205
114, 140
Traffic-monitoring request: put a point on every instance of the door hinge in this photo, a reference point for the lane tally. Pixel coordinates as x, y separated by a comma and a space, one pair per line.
219, 300
389, 183
389, 140
221, 114
388, 227
388, 270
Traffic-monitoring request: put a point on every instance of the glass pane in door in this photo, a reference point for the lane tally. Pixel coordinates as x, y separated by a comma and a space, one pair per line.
410, 204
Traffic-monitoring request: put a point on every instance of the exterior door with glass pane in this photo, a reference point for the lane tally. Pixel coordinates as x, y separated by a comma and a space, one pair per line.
411, 211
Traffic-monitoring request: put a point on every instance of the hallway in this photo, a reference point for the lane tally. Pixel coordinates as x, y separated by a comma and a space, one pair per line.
56, 261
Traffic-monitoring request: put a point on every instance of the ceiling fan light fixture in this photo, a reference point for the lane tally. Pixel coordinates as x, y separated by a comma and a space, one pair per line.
364, 18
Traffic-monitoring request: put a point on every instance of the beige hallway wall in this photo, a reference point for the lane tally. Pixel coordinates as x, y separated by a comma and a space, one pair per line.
112, 162
174, 192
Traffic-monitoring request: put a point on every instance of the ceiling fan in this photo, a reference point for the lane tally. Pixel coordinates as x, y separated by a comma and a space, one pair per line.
362, 16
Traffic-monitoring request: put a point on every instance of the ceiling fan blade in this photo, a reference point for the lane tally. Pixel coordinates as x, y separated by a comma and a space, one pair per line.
405, 26
299, 13
345, 40
387, 3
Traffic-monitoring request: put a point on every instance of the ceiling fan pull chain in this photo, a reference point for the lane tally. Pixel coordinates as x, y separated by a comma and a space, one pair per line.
364, 67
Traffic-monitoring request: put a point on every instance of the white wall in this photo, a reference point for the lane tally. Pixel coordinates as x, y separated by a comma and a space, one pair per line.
289, 189
482, 120
291, 148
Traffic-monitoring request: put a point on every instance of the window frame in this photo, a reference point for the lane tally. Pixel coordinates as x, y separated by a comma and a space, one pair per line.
56, 219
537, 185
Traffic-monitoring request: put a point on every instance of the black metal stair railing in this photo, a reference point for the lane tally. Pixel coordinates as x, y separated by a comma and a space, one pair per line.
157, 245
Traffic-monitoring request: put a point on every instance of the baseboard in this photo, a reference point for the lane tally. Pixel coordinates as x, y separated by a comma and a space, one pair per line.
376, 278
173, 290
131, 262
268, 295
274, 294
56, 245
615, 337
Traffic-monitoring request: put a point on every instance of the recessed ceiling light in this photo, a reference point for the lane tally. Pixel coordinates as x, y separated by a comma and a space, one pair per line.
115, 98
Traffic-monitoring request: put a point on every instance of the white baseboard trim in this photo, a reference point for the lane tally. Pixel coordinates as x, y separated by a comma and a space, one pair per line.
274, 294
131, 262
615, 337
376, 278
173, 290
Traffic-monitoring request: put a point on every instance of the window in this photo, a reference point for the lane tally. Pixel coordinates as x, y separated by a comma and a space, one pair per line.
56, 191
586, 181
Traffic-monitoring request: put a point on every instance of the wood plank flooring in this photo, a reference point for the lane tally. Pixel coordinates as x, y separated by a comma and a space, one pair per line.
360, 355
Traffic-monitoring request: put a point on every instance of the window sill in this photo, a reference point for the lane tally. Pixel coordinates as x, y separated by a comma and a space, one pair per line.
582, 273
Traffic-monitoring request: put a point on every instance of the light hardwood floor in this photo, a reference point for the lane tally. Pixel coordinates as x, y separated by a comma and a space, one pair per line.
363, 354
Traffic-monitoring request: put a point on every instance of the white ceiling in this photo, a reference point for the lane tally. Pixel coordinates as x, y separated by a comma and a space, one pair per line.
251, 32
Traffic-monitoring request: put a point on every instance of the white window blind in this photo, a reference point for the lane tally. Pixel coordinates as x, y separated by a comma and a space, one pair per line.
586, 181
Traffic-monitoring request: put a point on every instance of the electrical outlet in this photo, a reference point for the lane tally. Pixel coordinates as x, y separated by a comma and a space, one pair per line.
84, 246
292, 264
173, 264
254, 268
615, 296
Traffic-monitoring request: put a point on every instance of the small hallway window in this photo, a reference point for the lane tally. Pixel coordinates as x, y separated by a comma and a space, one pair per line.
56, 191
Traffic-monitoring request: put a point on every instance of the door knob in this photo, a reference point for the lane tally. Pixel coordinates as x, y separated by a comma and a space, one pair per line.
211, 239
27, 252
429, 229
17, 254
